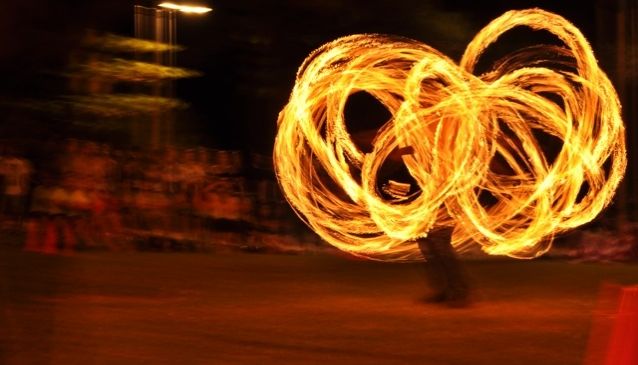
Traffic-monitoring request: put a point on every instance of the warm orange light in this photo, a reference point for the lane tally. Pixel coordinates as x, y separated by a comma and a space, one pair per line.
459, 127
186, 8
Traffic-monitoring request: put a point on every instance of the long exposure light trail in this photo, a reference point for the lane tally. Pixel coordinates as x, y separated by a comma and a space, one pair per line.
477, 144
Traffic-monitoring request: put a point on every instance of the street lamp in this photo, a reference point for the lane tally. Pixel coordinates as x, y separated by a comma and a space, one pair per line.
160, 23
161, 20
191, 9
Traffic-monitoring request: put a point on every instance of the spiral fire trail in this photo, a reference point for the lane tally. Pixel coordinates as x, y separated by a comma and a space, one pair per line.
467, 137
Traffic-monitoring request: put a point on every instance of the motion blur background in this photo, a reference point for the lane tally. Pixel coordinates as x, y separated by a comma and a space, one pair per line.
118, 150
193, 139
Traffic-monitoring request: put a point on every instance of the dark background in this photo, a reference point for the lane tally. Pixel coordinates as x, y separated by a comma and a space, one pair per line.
248, 50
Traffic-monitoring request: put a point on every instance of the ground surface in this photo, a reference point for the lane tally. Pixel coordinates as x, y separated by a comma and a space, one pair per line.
234, 308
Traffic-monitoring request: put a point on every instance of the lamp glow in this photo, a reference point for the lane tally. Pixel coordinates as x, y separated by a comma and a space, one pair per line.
190, 9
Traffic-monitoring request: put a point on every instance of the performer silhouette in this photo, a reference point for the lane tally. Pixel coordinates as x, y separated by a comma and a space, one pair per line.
444, 271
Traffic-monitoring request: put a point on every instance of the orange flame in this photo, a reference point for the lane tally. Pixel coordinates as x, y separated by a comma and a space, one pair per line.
457, 126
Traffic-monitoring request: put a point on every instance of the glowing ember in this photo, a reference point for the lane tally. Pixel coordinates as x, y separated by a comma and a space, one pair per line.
467, 136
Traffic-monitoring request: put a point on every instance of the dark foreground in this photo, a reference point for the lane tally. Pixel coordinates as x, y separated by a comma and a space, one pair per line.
232, 308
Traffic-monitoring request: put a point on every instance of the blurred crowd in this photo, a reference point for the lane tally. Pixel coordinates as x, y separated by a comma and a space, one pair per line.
90, 195
83, 195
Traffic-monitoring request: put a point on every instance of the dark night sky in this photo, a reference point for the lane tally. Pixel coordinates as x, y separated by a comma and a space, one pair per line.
249, 50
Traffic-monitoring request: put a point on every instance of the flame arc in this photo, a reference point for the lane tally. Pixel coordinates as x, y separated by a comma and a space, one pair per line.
459, 127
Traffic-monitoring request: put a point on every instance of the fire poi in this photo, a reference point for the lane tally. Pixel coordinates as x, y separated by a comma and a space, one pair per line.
456, 125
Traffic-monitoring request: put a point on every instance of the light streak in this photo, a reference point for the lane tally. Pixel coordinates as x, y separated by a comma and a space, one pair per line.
469, 136
186, 8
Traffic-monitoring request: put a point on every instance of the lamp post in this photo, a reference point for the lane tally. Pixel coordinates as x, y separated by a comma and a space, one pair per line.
160, 24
